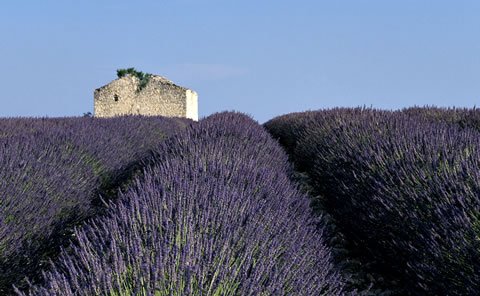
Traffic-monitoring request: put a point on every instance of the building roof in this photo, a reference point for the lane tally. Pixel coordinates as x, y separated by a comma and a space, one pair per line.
153, 79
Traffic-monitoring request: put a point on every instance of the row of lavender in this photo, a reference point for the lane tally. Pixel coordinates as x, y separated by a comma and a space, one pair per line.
403, 187
215, 214
52, 171
462, 117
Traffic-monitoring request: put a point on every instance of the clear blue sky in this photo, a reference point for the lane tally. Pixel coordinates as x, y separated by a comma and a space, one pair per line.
264, 58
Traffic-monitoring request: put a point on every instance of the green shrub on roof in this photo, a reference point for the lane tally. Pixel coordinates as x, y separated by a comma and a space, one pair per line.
143, 78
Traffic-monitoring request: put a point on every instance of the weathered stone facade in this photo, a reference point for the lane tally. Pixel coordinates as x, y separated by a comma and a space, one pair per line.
160, 96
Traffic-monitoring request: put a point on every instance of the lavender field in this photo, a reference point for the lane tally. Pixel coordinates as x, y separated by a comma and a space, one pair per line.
402, 189
53, 172
333, 202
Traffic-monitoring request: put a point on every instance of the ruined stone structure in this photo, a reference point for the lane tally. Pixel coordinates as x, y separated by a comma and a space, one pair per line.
160, 96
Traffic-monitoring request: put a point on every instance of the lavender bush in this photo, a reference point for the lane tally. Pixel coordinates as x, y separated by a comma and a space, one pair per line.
214, 215
52, 171
404, 191
463, 117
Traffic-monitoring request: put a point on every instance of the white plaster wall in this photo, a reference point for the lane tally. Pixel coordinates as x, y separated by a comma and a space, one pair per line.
192, 104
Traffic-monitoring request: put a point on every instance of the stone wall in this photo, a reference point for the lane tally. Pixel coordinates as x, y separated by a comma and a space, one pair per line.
159, 97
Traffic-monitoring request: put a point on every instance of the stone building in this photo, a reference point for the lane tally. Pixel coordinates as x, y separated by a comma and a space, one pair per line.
159, 96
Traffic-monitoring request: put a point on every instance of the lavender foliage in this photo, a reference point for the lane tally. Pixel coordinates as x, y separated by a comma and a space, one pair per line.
215, 214
404, 191
463, 117
52, 171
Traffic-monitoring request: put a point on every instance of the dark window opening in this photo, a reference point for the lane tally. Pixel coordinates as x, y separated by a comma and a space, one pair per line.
115, 97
